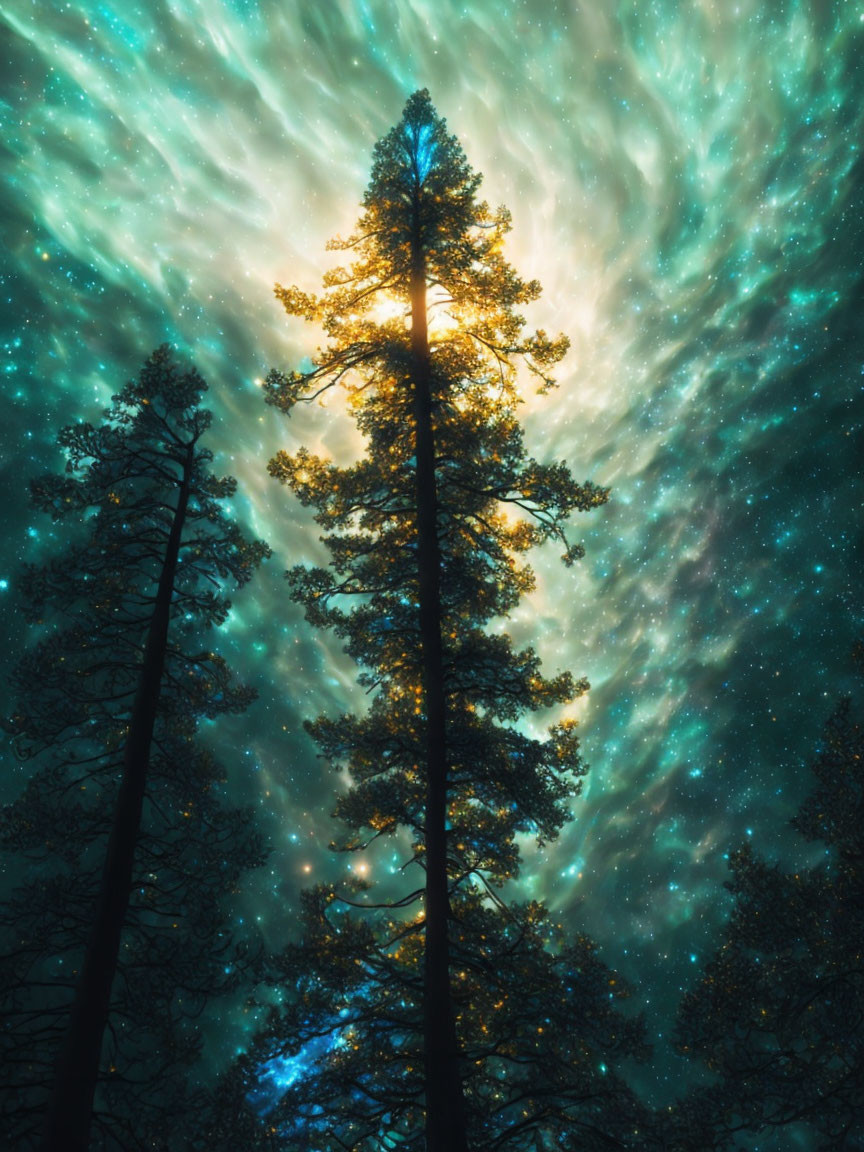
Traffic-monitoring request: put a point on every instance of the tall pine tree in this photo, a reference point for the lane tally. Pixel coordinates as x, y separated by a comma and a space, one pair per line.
426, 534
109, 700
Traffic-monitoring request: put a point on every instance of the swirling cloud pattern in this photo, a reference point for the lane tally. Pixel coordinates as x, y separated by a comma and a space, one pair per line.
686, 181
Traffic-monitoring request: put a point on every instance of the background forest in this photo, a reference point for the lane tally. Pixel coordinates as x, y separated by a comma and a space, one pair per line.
687, 187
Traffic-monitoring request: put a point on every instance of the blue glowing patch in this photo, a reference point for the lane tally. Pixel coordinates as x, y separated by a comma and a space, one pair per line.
421, 149
276, 1076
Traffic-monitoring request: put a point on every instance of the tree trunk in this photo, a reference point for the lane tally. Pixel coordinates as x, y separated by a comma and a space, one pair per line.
67, 1127
445, 1111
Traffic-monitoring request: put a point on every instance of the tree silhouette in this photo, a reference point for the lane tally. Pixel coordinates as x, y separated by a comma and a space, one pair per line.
779, 1013
109, 699
341, 1064
425, 534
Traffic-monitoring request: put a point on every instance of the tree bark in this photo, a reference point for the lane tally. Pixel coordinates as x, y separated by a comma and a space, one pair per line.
445, 1110
67, 1126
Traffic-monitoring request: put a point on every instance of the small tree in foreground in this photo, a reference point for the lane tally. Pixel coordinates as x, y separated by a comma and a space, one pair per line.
117, 934
418, 1027
779, 1013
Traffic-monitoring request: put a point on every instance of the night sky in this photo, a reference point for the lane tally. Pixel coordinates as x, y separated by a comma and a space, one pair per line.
686, 181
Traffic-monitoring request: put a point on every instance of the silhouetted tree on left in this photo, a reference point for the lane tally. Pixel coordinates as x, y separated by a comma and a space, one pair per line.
109, 699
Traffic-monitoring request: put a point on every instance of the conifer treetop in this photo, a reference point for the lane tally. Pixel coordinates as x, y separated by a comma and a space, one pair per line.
422, 192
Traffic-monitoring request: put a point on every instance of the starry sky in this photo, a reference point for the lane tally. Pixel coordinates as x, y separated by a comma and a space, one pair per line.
687, 183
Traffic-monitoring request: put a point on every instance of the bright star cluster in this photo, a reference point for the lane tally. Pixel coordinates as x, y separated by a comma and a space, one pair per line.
686, 181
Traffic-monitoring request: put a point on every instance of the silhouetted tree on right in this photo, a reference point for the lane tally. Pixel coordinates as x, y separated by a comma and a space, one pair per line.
778, 1015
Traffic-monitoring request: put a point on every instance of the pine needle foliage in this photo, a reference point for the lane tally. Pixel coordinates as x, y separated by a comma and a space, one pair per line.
390, 1033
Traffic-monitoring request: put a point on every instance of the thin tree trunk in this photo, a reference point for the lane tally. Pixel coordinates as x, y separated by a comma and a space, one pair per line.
67, 1127
445, 1111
